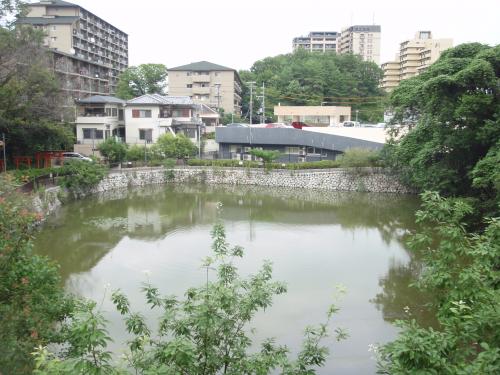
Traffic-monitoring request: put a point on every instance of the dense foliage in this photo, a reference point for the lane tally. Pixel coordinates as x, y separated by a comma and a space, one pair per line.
30, 97
456, 107
207, 332
113, 150
267, 156
31, 299
176, 147
79, 176
461, 271
143, 79
308, 78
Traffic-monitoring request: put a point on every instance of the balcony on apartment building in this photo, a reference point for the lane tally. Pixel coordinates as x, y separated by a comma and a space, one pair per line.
203, 78
201, 90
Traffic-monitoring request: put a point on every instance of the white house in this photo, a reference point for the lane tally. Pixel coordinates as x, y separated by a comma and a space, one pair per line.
98, 118
151, 115
140, 120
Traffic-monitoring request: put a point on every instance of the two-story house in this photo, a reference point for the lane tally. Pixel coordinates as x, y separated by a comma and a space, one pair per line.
97, 119
151, 115
140, 120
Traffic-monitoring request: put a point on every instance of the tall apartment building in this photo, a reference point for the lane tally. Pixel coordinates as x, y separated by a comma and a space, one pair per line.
88, 52
317, 41
206, 83
362, 40
414, 57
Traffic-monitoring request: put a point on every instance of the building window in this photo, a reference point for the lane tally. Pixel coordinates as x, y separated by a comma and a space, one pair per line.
108, 112
114, 112
146, 135
189, 85
92, 133
54, 28
53, 38
141, 113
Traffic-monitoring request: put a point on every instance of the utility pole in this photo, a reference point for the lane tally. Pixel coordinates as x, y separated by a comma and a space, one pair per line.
251, 99
263, 97
357, 111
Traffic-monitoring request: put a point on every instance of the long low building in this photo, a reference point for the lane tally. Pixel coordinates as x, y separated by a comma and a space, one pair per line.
296, 145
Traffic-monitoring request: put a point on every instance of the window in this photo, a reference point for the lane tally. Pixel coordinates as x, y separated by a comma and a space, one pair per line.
114, 112
108, 112
188, 73
92, 133
146, 135
141, 113
53, 38
54, 28
189, 85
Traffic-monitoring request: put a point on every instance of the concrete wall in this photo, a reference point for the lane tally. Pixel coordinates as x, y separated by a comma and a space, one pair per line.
366, 179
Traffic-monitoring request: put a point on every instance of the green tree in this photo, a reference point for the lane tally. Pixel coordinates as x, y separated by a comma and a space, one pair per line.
306, 78
113, 150
461, 270
456, 107
177, 147
31, 298
143, 79
206, 333
30, 96
267, 156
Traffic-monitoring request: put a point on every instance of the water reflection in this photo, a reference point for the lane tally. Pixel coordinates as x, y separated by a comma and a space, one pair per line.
315, 239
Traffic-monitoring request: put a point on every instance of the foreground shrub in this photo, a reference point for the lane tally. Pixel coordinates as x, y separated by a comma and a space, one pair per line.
208, 332
31, 298
461, 270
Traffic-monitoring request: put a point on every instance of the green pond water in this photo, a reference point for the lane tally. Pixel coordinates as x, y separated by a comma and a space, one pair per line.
315, 240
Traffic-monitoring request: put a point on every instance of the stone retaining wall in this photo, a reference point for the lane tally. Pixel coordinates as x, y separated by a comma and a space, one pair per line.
362, 179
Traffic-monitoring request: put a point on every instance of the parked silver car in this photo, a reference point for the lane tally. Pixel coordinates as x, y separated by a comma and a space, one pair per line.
75, 156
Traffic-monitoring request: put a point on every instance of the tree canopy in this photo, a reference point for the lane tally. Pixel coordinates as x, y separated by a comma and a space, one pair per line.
143, 79
456, 107
31, 101
309, 78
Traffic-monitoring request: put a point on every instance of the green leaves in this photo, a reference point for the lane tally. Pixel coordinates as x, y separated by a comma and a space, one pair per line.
143, 79
178, 147
455, 110
461, 270
113, 150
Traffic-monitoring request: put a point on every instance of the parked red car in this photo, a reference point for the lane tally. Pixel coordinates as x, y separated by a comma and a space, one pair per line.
299, 124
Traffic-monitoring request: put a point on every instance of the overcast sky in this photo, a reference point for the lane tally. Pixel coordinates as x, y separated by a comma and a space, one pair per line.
237, 33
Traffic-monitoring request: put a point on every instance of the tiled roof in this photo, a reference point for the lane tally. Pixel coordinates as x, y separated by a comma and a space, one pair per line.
101, 99
156, 99
202, 66
61, 20
58, 3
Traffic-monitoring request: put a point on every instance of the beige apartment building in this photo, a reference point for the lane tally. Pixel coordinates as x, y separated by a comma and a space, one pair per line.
414, 57
317, 41
206, 83
88, 52
362, 40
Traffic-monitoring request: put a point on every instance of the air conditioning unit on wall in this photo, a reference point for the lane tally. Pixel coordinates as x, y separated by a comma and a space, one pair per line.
236, 156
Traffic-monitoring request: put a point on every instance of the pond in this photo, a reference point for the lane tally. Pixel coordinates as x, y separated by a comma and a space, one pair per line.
315, 240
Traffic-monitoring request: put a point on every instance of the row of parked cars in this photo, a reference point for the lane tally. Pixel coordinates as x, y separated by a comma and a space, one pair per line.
300, 125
